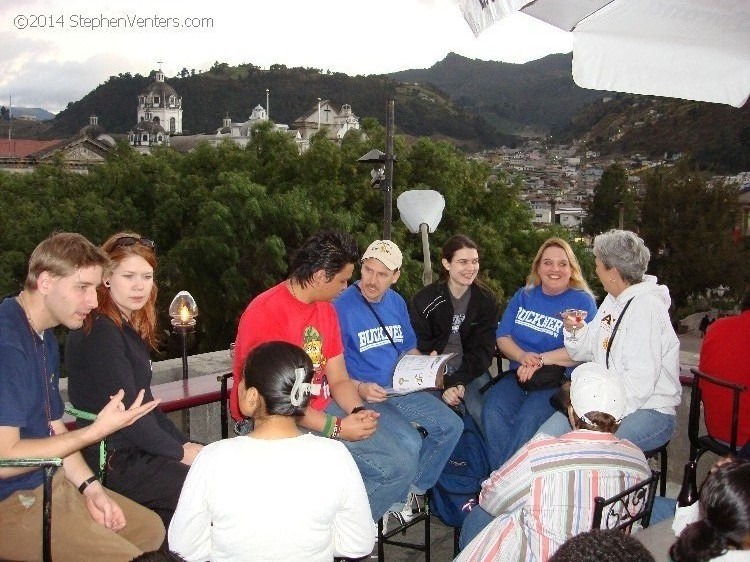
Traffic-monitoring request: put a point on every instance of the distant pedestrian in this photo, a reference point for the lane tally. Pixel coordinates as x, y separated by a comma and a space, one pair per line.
703, 326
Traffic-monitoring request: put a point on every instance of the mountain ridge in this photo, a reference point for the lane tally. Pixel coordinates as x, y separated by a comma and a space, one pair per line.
474, 104
499, 91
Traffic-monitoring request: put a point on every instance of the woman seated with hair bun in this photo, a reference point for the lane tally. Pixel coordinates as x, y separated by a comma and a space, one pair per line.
275, 493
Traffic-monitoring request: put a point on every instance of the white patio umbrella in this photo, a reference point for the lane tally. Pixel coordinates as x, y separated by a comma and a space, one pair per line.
691, 49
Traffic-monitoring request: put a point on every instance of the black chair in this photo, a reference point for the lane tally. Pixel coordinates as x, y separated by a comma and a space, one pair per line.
387, 537
623, 510
699, 444
48, 466
223, 379
662, 452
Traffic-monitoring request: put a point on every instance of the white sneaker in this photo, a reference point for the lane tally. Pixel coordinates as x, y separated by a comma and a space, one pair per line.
414, 505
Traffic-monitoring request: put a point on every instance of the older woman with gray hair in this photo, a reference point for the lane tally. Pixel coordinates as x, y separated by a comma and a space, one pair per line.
632, 335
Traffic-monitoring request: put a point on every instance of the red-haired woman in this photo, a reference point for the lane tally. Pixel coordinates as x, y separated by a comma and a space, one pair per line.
148, 461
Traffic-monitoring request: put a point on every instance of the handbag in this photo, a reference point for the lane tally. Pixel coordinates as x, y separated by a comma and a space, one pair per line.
546, 377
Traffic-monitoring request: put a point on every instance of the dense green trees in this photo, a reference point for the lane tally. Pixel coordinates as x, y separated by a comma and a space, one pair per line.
227, 219
604, 209
688, 224
686, 221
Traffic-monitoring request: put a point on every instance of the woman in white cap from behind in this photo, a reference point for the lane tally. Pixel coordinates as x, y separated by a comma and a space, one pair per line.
544, 494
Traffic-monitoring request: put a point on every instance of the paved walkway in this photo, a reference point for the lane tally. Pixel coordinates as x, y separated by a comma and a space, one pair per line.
690, 348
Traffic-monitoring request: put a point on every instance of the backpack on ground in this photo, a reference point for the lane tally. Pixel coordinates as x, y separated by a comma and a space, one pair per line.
457, 488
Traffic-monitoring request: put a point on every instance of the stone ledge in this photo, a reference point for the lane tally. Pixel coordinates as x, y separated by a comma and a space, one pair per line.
213, 363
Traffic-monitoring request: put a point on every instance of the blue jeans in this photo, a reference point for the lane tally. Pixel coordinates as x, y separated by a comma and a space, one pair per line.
664, 508
387, 460
511, 416
647, 429
475, 522
443, 428
474, 400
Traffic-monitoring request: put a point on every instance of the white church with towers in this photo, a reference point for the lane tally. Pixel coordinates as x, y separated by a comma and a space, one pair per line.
159, 115
160, 104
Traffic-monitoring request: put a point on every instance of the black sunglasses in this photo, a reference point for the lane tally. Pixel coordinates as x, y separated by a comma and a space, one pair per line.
132, 241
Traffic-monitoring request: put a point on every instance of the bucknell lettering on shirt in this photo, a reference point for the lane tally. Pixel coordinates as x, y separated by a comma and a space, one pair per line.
375, 337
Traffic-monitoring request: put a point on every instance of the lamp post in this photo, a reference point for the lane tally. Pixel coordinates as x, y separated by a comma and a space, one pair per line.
388, 183
183, 311
382, 176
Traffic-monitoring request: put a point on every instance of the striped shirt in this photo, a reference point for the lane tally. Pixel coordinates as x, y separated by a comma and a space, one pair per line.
545, 493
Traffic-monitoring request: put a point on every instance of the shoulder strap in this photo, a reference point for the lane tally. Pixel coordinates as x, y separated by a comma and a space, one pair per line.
375, 314
614, 330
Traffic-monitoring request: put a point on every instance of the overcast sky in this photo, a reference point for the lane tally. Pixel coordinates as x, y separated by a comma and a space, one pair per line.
51, 53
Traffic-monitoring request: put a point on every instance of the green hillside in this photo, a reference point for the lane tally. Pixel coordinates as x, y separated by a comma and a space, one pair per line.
717, 136
533, 97
210, 96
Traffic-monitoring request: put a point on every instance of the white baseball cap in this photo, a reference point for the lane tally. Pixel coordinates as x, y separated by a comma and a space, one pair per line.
385, 251
594, 388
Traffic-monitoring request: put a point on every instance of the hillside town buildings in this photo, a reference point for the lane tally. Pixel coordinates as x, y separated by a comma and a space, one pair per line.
241, 132
334, 120
556, 182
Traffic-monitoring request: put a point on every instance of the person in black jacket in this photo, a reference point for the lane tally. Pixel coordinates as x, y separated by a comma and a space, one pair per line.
148, 461
458, 314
